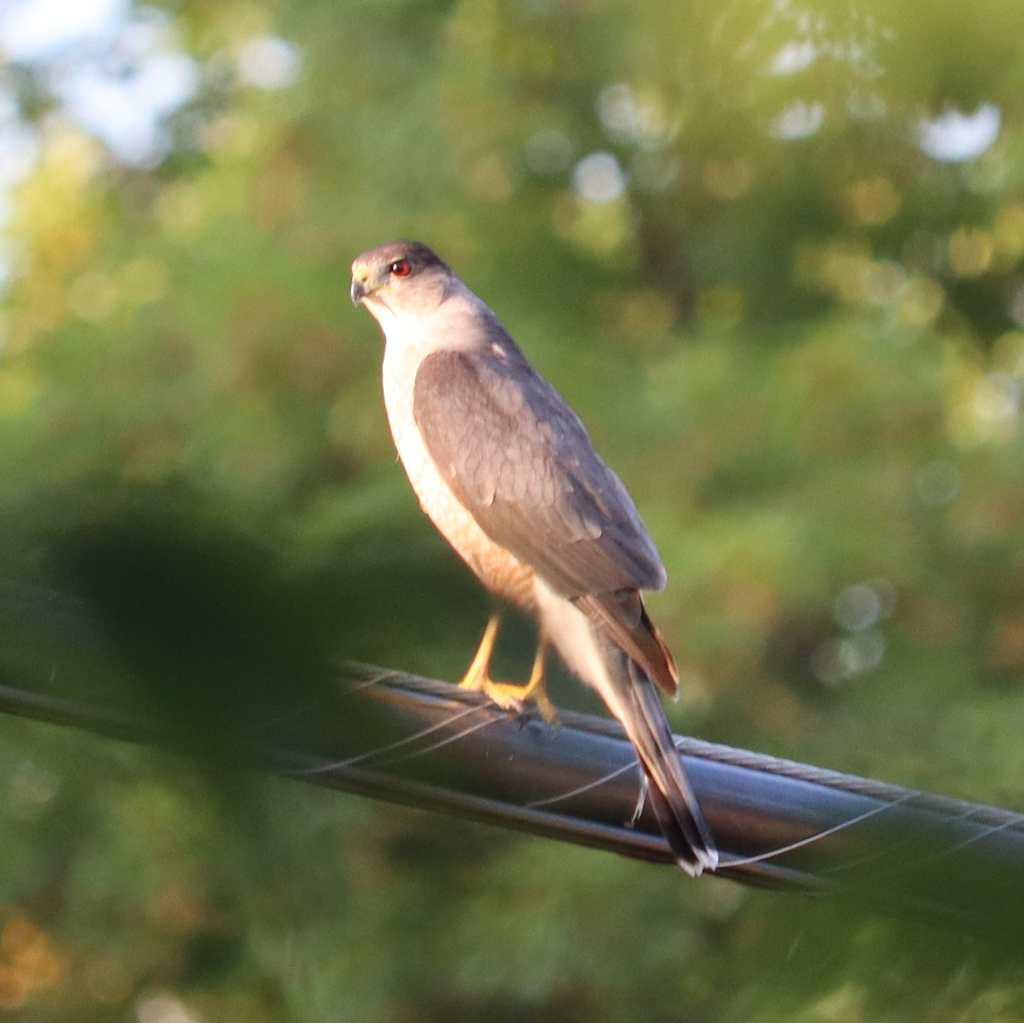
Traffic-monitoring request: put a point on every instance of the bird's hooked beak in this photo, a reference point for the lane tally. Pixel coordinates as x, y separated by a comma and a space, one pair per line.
358, 291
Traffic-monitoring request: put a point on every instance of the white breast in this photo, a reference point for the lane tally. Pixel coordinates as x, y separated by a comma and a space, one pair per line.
497, 568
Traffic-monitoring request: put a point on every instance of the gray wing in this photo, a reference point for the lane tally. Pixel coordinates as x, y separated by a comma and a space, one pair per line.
521, 462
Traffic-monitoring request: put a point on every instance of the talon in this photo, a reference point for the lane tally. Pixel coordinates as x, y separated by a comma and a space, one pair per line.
504, 694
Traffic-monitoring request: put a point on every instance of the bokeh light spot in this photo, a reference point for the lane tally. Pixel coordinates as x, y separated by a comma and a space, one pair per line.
954, 136
794, 57
857, 607
1009, 230
882, 282
634, 117
996, 403
182, 208
643, 315
163, 1008
27, 962
269, 62
922, 302
799, 120
1008, 353
873, 201
230, 136
598, 178
599, 228
618, 113
970, 251
842, 658
30, 29
938, 483
93, 295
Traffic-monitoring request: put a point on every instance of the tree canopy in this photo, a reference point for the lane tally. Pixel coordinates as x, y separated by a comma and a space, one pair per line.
770, 251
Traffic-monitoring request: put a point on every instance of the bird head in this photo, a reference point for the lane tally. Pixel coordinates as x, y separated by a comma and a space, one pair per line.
399, 276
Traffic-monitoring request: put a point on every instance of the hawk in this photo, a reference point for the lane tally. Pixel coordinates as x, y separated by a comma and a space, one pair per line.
506, 471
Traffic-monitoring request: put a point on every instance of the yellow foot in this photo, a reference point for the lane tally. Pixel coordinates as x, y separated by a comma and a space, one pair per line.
504, 694
514, 698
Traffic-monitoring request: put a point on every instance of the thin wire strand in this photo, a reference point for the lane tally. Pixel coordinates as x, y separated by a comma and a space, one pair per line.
536, 804
812, 839
339, 765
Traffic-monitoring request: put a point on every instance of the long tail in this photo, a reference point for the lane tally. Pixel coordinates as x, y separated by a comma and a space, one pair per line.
633, 698
590, 652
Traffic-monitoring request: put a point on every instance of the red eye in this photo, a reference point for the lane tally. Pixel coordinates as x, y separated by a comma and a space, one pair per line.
400, 268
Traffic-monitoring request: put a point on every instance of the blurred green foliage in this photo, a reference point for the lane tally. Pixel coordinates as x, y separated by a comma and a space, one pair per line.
725, 232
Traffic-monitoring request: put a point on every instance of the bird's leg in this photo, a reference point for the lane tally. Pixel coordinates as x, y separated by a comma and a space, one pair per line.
504, 694
536, 689
478, 674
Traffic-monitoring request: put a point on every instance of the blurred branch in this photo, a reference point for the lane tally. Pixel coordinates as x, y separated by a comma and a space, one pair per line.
429, 744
